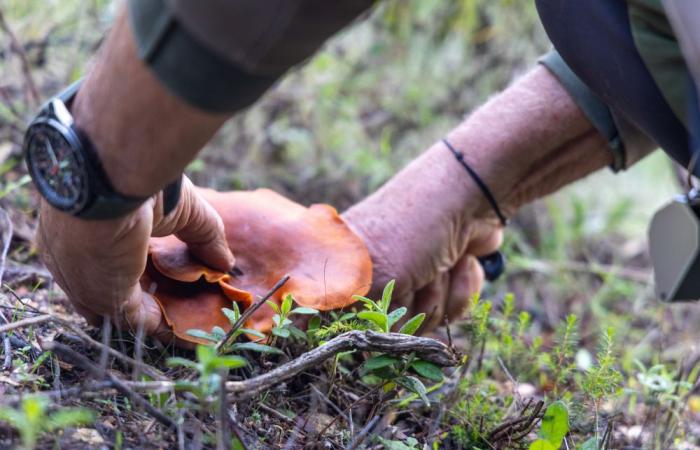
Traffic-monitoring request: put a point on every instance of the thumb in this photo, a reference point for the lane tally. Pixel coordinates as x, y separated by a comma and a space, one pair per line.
141, 311
196, 222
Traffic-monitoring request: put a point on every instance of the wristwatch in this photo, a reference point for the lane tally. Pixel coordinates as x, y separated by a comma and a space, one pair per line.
67, 171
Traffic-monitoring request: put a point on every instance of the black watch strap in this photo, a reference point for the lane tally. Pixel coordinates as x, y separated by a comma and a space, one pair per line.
108, 203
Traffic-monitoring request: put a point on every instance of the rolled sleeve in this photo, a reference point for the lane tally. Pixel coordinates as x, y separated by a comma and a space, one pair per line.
220, 55
591, 105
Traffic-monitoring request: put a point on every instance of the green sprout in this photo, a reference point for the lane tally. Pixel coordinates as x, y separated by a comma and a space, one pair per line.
32, 418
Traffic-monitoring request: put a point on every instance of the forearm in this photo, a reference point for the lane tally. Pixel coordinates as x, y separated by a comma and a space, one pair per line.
529, 141
144, 135
524, 143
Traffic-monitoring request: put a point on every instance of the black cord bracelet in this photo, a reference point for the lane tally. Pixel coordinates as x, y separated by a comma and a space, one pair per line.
479, 182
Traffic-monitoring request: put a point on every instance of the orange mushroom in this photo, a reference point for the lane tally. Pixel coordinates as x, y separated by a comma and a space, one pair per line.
270, 236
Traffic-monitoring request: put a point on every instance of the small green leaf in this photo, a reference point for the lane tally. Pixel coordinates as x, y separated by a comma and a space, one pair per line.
275, 307
416, 386
276, 319
304, 310
228, 362
396, 315
230, 315
255, 347
68, 417
555, 424
369, 303
427, 369
184, 362
413, 324
252, 332
377, 318
347, 316
287, 303
281, 332
297, 333
314, 324
386, 295
541, 444
201, 334
378, 362
219, 333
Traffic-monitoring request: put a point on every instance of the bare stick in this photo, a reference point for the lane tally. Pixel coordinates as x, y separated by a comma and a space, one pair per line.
223, 439
25, 322
145, 368
362, 435
249, 312
6, 237
6, 343
68, 354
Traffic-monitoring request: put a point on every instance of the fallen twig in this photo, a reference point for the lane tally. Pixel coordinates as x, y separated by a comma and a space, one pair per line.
73, 357
552, 267
391, 343
145, 368
6, 237
6, 344
249, 312
362, 435
26, 322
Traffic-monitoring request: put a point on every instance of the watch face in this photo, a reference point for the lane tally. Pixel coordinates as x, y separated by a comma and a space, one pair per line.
57, 167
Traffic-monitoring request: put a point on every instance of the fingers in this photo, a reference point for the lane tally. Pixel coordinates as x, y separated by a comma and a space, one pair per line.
197, 223
486, 240
466, 279
141, 311
431, 301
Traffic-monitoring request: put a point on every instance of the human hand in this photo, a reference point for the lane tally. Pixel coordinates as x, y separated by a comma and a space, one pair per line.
426, 232
98, 263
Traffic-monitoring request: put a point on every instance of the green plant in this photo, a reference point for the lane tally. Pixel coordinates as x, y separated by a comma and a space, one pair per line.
210, 367
32, 418
553, 428
391, 370
603, 379
283, 327
561, 360
217, 334
378, 316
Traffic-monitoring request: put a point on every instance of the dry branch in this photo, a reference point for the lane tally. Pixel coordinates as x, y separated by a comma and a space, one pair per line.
69, 355
25, 322
392, 343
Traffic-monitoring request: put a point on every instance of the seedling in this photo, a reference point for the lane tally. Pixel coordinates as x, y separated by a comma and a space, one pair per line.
283, 327
217, 334
210, 367
31, 419
378, 315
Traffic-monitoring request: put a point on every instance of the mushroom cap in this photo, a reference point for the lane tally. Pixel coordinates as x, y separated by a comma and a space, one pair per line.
270, 236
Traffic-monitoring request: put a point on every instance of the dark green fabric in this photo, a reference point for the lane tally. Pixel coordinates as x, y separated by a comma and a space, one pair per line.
186, 68
659, 49
593, 107
221, 56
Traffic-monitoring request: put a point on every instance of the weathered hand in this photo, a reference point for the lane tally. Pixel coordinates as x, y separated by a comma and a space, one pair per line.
98, 263
426, 231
